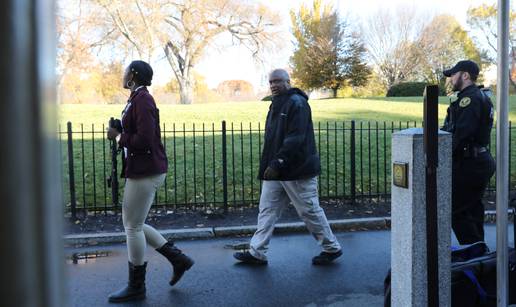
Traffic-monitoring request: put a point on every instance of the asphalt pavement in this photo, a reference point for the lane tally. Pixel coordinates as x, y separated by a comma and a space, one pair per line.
216, 279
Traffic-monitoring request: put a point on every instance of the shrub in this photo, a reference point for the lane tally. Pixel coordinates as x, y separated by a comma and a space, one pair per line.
408, 89
405, 89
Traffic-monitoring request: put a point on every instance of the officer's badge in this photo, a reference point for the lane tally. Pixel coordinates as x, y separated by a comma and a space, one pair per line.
464, 102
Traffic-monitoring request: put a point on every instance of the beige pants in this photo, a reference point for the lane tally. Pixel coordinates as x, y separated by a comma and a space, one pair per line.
276, 195
138, 197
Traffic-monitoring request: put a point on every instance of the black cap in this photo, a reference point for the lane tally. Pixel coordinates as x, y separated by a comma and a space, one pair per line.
467, 66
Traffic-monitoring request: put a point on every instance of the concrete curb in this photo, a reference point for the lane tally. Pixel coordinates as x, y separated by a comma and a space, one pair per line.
119, 237
359, 224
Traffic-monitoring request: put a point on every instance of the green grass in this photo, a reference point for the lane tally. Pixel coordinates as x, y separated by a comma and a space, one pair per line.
324, 110
195, 181
195, 172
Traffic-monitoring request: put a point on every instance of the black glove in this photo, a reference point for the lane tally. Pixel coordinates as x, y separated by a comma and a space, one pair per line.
115, 123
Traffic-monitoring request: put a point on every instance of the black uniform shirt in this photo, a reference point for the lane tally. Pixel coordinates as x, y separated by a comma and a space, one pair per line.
470, 119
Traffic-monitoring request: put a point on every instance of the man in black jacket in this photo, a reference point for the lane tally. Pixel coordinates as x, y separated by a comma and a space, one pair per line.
469, 119
289, 167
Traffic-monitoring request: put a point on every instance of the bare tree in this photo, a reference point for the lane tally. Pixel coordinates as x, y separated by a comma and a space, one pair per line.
441, 44
131, 22
389, 37
78, 35
183, 29
483, 20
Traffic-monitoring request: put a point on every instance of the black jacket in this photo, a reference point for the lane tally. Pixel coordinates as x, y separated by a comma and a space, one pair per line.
469, 119
289, 145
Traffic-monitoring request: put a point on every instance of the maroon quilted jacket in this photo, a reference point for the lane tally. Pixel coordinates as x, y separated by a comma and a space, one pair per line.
143, 151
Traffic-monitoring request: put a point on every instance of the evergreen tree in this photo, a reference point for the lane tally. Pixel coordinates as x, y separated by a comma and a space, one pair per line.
326, 56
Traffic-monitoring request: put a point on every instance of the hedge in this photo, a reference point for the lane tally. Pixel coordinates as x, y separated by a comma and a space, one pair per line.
409, 89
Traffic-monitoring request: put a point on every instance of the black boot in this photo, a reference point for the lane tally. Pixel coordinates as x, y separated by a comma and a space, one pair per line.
180, 262
135, 289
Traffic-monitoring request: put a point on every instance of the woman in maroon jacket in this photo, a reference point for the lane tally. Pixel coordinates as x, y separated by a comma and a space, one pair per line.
144, 167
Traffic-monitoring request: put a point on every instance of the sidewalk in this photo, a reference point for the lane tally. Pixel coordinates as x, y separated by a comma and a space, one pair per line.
216, 279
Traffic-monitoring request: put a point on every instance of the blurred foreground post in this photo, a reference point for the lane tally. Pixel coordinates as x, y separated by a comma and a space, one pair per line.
502, 154
30, 189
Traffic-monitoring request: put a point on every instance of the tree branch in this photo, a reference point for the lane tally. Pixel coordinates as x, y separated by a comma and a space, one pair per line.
147, 26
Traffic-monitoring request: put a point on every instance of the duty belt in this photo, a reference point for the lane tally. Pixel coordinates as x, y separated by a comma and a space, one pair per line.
480, 149
473, 151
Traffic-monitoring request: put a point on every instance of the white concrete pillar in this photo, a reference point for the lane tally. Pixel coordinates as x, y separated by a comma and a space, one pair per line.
408, 218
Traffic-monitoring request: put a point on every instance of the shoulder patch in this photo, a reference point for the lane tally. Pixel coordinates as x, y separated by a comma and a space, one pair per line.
464, 102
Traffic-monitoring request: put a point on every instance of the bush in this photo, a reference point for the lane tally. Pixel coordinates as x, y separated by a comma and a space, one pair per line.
267, 98
408, 89
405, 89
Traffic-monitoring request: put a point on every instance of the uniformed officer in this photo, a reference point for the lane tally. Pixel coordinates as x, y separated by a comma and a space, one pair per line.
469, 119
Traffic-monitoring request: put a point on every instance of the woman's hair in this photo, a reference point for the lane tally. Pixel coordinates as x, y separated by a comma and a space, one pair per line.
142, 72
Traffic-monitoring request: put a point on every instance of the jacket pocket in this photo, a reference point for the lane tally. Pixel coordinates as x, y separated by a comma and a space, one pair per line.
139, 162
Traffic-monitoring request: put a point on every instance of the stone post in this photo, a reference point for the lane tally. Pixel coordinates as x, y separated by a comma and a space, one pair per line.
408, 219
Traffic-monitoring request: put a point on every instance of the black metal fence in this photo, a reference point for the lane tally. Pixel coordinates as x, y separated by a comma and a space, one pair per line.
215, 166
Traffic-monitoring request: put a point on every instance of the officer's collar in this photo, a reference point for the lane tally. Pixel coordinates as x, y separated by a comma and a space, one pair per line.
467, 89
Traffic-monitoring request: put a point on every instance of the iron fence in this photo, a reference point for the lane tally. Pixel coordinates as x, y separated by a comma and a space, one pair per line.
215, 166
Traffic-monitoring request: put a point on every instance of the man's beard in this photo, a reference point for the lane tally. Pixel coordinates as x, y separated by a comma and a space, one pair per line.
458, 85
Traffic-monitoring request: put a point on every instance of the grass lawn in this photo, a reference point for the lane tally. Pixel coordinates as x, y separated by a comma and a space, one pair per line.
195, 172
324, 110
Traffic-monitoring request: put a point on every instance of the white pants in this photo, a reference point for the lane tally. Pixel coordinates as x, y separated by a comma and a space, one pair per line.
138, 196
275, 196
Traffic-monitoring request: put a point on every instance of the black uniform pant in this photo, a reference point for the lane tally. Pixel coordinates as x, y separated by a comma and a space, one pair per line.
470, 178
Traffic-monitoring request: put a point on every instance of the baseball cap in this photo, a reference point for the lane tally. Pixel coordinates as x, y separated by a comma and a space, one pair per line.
466, 65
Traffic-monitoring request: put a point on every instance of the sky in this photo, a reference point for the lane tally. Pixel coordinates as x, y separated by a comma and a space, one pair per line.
236, 62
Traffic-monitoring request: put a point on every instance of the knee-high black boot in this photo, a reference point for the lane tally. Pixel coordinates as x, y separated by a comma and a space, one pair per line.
180, 262
135, 289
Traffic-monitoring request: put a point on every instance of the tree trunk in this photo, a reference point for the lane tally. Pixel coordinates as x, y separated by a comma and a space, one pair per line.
334, 90
185, 91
